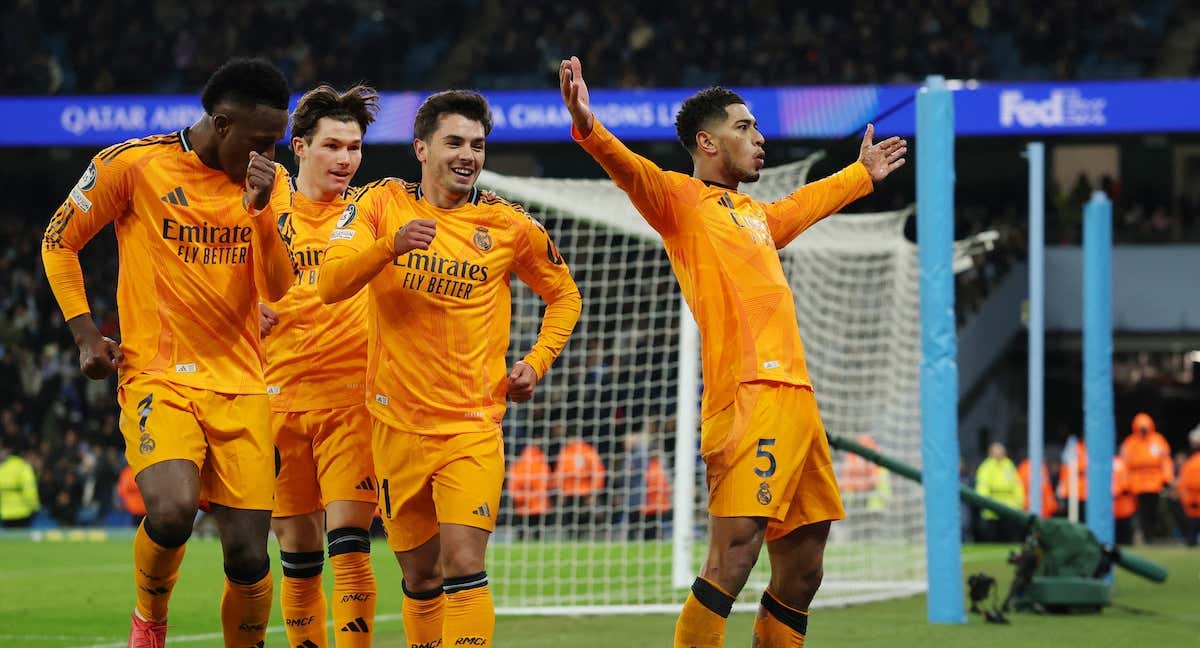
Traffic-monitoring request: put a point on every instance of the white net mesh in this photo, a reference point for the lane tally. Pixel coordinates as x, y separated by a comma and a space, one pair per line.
605, 544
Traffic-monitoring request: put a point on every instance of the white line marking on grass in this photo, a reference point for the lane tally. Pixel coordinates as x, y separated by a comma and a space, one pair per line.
6, 637
208, 636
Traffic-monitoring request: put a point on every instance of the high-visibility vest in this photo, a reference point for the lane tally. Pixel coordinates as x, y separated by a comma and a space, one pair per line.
131, 497
1124, 500
1147, 456
1189, 486
658, 488
1049, 503
998, 479
18, 489
529, 482
579, 470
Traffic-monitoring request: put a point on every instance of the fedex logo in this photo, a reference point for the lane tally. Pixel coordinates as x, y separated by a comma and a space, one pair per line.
1064, 107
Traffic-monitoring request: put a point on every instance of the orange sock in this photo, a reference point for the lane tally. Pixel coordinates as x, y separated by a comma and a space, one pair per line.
423, 613
702, 622
302, 598
778, 625
246, 609
353, 587
470, 617
155, 570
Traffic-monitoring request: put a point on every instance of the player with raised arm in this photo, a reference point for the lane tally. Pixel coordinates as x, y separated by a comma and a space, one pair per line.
316, 367
769, 471
437, 256
195, 218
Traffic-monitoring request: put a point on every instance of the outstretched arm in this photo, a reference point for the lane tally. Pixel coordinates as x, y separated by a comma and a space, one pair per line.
646, 185
809, 204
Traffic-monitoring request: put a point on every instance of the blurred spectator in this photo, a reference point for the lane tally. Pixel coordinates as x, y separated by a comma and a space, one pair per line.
1189, 490
997, 478
1151, 470
18, 490
1074, 452
131, 496
646, 496
1049, 503
579, 478
529, 486
1125, 502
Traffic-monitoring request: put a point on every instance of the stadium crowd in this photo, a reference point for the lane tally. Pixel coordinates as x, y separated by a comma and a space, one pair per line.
75, 47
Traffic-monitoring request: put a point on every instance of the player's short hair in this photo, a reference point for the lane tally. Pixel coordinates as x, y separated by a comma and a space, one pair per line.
247, 82
700, 110
468, 103
358, 104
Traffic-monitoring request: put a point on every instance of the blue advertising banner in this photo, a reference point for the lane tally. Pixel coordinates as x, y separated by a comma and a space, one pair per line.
811, 112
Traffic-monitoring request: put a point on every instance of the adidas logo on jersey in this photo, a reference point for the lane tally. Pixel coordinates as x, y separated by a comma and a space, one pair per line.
175, 197
307, 644
357, 625
365, 485
483, 511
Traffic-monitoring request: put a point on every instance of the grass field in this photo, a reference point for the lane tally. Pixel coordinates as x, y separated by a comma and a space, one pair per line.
76, 593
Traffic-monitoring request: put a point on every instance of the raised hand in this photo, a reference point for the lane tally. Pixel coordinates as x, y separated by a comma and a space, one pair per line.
882, 158
416, 234
260, 179
521, 381
575, 94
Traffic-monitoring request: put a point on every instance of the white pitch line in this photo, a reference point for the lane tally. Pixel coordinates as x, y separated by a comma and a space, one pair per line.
217, 635
6, 637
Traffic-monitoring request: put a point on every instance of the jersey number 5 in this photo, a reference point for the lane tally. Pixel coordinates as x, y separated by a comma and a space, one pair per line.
761, 452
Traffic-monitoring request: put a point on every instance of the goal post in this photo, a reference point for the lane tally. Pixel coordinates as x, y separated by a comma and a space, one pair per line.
628, 387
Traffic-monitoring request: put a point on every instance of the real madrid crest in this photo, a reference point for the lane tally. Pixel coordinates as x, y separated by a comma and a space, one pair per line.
764, 494
88, 179
482, 239
347, 216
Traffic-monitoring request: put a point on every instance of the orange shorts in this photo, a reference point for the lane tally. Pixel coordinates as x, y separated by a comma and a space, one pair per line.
426, 480
325, 456
227, 436
767, 456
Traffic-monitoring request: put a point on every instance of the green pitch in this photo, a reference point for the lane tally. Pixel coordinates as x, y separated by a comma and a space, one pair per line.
76, 592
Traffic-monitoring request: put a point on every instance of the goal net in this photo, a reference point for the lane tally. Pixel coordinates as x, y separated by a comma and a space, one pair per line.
604, 508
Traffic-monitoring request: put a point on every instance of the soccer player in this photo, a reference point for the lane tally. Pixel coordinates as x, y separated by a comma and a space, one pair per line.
768, 464
316, 367
437, 256
199, 248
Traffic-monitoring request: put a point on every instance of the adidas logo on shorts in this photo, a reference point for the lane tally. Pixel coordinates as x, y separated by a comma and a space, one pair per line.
483, 511
365, 485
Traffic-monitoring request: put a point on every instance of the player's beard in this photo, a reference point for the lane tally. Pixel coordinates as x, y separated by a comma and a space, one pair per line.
741, 173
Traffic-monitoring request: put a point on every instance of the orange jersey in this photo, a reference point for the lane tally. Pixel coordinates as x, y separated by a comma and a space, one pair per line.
193, 262
317, 354
723, 246
439, 319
